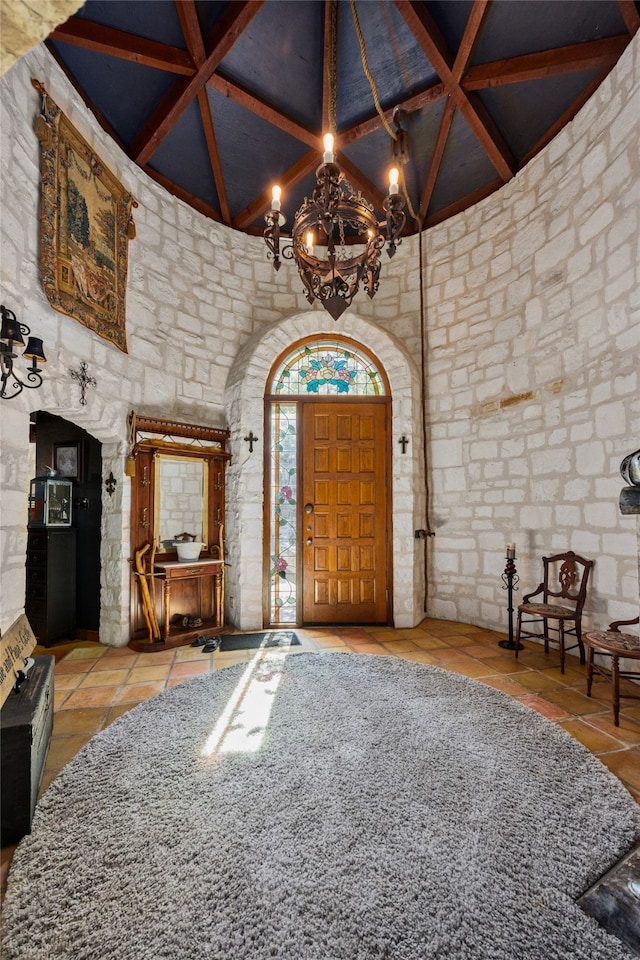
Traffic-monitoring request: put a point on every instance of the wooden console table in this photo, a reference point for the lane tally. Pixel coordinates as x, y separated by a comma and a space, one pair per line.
195, 590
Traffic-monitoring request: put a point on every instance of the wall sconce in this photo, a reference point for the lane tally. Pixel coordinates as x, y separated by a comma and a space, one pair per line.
12, 334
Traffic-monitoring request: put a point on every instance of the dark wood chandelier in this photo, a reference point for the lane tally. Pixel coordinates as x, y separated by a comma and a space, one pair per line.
336, 239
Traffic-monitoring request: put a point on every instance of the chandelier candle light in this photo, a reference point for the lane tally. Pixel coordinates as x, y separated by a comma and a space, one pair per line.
336, 238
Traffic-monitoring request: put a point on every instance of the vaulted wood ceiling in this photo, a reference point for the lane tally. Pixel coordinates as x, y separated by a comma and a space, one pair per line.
217, 101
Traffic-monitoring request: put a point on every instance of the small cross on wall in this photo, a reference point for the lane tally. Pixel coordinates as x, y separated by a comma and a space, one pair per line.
84, 380
403, 441
251, 440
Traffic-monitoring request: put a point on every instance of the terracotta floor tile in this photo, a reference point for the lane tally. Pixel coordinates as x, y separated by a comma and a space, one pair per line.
189, 668
329, 641
506, 684
230, 659
355, 641
473, 669
420, 656
114, 713
482, 651
539, 682
104, 678
137, 692
355, 634
87, 720
72, 666
156, 658
451, 655
428, 642
458, 641
145, 674
507, 664
92, 697
573, 701
628, 731
60, 697
48, 776
595, 740
399, 646
442, 628
67, 681
549, 710
372, 648
625, 765
63, 749
119, 661
93, 652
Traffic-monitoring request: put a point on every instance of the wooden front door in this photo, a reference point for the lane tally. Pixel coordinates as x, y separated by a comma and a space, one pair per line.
345, 512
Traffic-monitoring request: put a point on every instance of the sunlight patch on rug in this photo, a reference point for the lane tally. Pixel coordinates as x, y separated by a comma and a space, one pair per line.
243, 721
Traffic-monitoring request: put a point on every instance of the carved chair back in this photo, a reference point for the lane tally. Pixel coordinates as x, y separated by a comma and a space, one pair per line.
566, 576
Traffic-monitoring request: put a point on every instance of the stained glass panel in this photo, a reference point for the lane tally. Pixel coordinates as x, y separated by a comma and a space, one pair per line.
327, 367
282, 543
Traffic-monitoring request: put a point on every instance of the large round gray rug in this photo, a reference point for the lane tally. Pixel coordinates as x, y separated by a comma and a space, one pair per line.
321, 807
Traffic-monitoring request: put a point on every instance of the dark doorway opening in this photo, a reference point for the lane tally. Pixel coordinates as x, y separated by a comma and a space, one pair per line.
72, 613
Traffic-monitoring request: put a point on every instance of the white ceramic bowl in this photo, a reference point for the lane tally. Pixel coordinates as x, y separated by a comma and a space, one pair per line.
188, 550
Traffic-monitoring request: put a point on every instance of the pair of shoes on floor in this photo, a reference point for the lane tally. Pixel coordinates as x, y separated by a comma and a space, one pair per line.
183, 620
208, 644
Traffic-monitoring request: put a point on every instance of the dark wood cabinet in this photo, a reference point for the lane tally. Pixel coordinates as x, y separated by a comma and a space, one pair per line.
50, 599
199, 596
26, 722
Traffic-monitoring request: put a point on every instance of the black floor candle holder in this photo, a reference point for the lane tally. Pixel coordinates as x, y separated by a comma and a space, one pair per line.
510, 580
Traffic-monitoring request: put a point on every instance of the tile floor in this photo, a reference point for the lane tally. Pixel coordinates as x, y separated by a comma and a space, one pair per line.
95, 684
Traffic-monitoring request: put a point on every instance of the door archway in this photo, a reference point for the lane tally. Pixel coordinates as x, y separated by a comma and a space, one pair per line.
327, 486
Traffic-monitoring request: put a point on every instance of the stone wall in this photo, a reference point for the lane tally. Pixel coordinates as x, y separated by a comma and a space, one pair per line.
532, 340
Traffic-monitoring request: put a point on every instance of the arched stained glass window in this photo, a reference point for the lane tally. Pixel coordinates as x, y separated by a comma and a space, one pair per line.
323, 366
327, 367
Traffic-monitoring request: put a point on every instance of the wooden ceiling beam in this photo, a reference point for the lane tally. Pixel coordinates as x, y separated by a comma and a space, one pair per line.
227, 29
190, 25
171, 187
464, 202
431, 93
188, 16
465, 52
436, 160
470, 106
533, 66
214, 155
126, 46
469, 38
294, 174
266, 111
631, 15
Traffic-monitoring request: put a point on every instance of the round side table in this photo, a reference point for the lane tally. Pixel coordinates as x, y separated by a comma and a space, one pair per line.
612, 644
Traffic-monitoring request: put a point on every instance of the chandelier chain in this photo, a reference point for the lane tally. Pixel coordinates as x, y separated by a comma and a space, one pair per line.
332, 68
378, 105
368, 74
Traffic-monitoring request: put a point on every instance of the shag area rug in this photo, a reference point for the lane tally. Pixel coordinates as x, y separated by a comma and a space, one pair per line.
321, 807
251, 641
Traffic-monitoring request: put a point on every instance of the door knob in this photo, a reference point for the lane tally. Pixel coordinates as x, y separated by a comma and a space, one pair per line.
308, 508
309, 541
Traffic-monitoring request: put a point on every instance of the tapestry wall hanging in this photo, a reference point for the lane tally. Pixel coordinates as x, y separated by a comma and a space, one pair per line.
85, 225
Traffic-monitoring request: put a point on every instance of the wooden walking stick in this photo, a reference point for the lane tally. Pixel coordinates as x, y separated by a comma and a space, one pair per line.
149, 612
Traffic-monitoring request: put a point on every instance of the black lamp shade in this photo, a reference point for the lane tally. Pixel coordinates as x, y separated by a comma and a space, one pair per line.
11, 328
34, 350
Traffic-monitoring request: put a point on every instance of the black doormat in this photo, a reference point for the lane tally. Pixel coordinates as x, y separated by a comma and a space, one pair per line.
251, 641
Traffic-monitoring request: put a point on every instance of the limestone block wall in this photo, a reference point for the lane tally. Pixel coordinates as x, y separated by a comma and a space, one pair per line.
534, 339
531, 390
